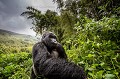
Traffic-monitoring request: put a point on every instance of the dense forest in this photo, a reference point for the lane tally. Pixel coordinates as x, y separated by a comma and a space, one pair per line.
89, 30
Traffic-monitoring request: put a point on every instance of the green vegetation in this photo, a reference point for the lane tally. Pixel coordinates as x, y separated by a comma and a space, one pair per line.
15, 55
15, 66
88, 29
96, 46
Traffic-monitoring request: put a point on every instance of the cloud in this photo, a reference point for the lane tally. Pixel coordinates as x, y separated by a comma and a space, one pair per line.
10, 11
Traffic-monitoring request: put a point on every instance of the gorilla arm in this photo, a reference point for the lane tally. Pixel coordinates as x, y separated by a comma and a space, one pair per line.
58, 52
39, 50
61, 51
39, 54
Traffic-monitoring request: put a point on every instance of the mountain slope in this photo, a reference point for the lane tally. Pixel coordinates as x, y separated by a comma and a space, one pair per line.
9, 38
7, 32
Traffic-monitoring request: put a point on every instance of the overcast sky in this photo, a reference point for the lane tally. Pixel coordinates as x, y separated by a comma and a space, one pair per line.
10, 11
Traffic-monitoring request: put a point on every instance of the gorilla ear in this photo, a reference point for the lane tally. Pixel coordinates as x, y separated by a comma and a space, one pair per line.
44, 35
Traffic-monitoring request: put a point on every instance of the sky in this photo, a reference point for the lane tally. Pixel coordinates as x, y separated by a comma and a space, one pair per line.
10, 11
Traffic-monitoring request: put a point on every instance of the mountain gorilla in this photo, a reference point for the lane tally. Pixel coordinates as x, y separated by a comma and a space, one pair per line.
50, 61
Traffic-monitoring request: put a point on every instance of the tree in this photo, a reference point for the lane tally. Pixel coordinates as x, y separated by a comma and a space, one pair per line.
41, 22
91, 8
61, 25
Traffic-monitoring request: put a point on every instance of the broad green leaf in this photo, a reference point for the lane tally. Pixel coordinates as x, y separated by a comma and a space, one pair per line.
109, 76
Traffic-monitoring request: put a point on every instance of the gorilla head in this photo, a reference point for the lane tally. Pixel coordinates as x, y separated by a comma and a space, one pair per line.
53, 46
50, 40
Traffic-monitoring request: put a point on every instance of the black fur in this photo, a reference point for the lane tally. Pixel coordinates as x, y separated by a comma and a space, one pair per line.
53, 68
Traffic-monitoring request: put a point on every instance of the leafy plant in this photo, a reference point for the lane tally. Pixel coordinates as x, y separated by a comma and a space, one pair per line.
94, 47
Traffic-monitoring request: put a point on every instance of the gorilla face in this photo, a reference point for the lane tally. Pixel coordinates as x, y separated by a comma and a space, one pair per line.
50, 40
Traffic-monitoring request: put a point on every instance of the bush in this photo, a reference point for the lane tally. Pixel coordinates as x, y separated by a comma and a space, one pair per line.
15, 65
94, 46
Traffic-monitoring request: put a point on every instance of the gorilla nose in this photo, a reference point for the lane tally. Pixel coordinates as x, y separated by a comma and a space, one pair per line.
54, 40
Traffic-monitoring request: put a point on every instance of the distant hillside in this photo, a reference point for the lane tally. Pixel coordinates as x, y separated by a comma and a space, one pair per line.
16, 39
5, 32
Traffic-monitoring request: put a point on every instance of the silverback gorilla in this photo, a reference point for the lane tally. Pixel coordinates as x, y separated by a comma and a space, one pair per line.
50, 61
